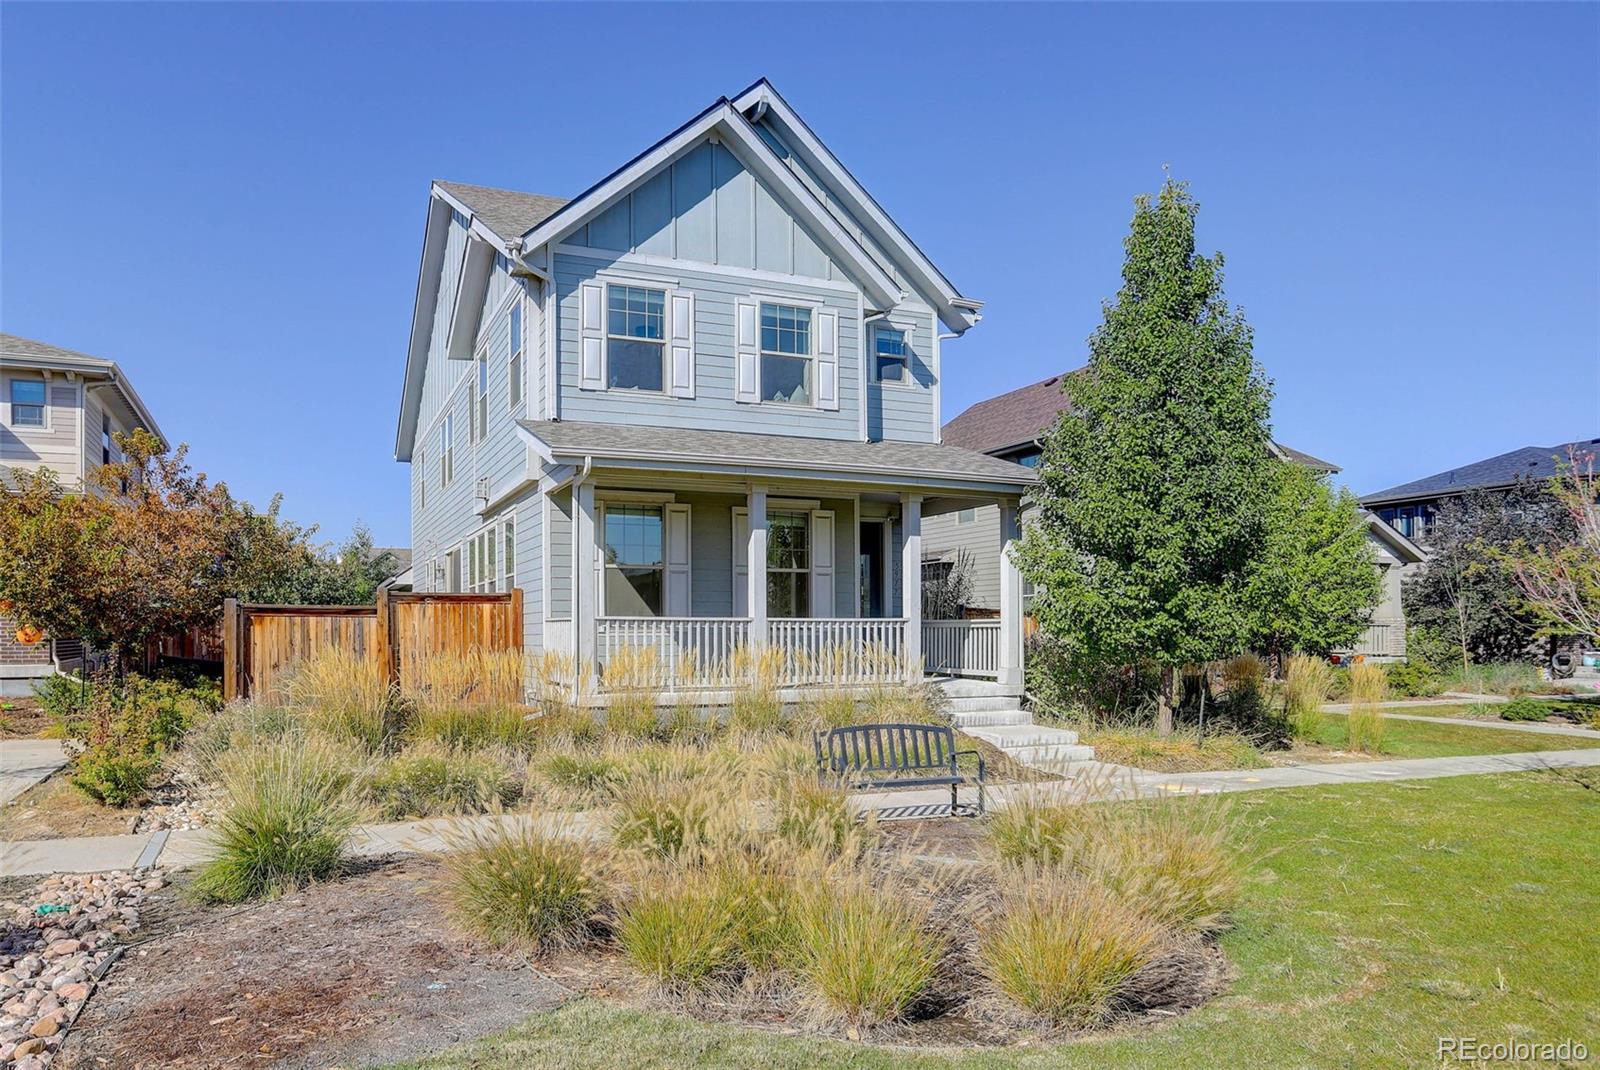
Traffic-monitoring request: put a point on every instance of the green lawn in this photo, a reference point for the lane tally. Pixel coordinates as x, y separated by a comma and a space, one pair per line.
1382, 917
1422, 739
1575, 708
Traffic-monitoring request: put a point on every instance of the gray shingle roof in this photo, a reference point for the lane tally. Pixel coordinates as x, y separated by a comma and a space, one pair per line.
1531, 462
14, 349
1027, 413
506, 212
12, 345
893, 460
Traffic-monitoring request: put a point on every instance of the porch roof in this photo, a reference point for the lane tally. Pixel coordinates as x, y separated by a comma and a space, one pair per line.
915, 463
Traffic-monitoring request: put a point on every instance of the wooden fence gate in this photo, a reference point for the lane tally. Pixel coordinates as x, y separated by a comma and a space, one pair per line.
262, 643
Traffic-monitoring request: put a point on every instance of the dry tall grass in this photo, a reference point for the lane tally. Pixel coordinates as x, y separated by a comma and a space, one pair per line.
475, 678
531, 886
343, 693
1368, 686
1307, 682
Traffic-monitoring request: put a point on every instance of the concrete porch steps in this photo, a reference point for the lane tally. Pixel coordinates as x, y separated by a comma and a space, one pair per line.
993, 713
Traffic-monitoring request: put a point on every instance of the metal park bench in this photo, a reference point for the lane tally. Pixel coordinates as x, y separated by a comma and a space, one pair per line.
897, 756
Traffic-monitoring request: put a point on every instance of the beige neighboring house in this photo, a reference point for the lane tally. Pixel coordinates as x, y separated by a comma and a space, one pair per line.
1012, 426
58, 410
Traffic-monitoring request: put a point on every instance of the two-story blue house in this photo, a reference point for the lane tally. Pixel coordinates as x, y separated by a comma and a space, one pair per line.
695, 407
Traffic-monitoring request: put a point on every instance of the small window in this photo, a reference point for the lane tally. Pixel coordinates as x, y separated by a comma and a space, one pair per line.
420, 462
786, 354
1029, 460
508, 558
447, 450
27, 403
889, 346
105, 438
966, 516
636, 332
514, 365
480, 399
789, 565
635, 560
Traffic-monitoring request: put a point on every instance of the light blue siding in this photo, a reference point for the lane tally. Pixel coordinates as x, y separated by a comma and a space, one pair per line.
560, 536
707, 208
713, 406
903, 412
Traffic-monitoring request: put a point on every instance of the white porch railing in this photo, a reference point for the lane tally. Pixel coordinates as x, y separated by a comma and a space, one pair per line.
837, 650
1382, 639
668, 651
962, 647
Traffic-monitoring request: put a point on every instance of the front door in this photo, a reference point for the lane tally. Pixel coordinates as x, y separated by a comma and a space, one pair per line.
870, 565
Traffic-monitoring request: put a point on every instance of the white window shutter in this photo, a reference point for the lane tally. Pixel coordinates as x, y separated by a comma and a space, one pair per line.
677, 548
592, 336
747, 355
680, 355
741, 562
822, 562
828, 359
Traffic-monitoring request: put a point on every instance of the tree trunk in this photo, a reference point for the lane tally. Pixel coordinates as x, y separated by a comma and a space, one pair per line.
1165, 703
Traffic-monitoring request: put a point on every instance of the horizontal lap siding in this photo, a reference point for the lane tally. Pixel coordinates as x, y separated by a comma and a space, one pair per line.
713, 407
560, 536
902, 413
944, 535
54, 447
437, 525
711, 552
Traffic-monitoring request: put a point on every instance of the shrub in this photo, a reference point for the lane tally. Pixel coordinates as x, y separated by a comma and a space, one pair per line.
1306, 683
66, 699
288, 814
1368, 684
832, 708
861, 946
114, 774
684, 929
1061, 947
432, 778
1524, 709
1414, 678
524, 887
688, 724
345, 694
1511, 678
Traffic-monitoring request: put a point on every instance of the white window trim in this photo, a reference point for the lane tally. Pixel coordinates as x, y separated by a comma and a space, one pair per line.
447, 450
49, 417
808, 527
667, 289
762, 353
490, 538
905, 382
517, 311
600, 527
478, 395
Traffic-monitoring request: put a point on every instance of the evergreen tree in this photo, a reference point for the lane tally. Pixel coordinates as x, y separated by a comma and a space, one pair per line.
1155, 484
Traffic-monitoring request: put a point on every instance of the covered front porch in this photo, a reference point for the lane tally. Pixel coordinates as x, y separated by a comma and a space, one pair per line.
688, 576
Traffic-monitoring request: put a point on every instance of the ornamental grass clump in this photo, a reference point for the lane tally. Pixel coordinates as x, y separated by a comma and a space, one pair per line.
861, 946
1307, 682
662, 813
813, 815
289, 809
685, 929
343, 694
1061, 947
428, 779
528, 886
1368, 685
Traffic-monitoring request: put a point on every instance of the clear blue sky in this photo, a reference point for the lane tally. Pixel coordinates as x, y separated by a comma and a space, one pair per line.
229, 199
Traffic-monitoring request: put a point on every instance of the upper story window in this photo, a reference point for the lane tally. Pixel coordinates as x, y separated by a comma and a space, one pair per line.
889, 354
786, 354
514, 365
105, 438
27, 403
789, 565
420, 462
508, 558
636, 335
447, 450
480, 399
482, 572
1029, 460
635, 560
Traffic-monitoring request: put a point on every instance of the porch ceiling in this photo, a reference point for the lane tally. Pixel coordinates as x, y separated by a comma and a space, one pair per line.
915, 464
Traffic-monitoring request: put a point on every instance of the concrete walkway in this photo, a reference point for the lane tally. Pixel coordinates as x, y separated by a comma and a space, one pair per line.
1538, 728
25, 762
1094, 781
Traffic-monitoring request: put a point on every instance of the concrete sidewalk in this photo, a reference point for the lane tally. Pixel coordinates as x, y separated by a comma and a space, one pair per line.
1538, 728
26, 762
1096, 781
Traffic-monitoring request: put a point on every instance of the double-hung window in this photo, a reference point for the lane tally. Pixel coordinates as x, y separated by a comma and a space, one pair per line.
789, 565
889, 354
447, 449
635, 562
786, 354
508, 555
27, 403
483, 573
514, 365
636, 337
420, 463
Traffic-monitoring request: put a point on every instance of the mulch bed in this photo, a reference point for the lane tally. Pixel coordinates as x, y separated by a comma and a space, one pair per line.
23, 718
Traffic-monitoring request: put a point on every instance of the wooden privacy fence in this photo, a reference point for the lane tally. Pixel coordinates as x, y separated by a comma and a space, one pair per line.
261, 643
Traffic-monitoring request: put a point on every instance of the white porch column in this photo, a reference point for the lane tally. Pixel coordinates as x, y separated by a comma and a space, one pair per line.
1010, 597
585, 576
911, 580
756, 566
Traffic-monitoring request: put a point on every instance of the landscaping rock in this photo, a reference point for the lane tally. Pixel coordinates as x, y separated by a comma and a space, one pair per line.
47, 960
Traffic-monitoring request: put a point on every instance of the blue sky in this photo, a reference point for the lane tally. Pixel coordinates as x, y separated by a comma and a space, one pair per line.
229, 199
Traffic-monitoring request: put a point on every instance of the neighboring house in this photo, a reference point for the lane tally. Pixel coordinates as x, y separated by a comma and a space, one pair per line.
694, 408
1012, 426
58, 410
1411, 508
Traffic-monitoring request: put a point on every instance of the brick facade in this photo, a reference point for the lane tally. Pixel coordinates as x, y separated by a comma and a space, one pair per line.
21, 665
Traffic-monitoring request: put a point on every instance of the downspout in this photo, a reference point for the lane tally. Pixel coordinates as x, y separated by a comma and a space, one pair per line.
938, 381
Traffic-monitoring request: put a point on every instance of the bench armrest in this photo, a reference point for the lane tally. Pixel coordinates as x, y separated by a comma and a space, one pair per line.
978, 754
